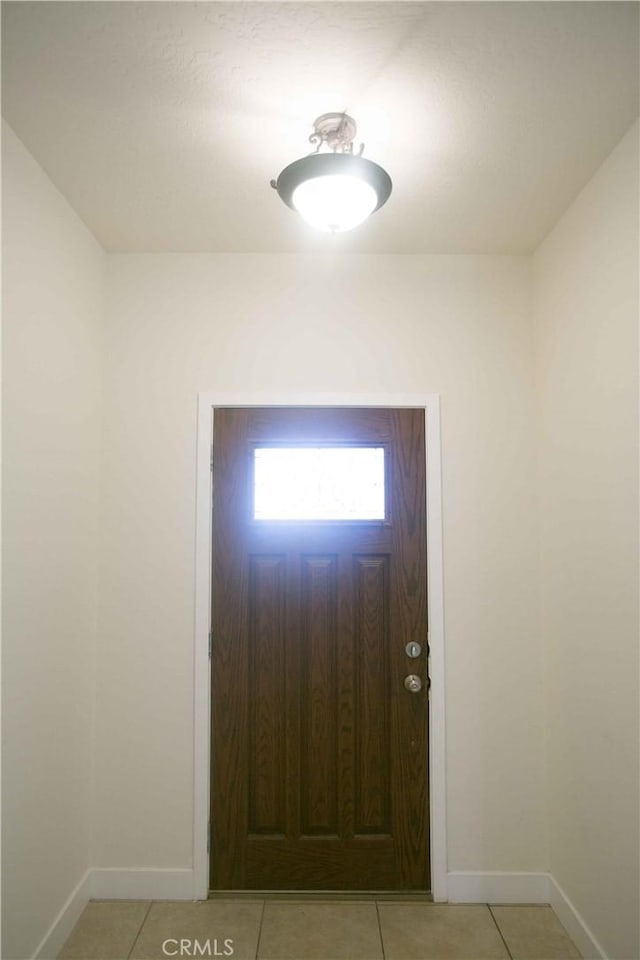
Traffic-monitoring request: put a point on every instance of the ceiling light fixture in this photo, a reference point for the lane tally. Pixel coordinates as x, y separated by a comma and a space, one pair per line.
332, 189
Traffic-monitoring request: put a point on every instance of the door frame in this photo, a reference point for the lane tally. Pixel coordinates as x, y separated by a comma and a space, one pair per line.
430, 403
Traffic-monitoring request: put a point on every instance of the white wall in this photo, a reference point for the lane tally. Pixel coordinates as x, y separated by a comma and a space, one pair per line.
52, 313
586, 321
458, 326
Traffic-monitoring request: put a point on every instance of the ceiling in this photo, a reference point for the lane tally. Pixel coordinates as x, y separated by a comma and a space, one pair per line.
163, 122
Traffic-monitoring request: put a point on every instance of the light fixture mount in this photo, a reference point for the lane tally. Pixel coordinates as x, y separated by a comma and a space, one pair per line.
333, 189
337, 130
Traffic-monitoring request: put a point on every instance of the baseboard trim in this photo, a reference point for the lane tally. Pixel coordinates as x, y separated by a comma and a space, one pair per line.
58, 932
573, 923
494, 887
142, 884
463, 887
113, 884
488, 887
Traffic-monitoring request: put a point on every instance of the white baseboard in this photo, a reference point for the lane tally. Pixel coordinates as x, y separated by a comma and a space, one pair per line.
113, 884
463, 887
574, 923
489, 887
142, 884
58, 932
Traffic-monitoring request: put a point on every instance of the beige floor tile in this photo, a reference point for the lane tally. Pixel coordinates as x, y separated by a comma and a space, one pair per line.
327, 930
106, 930
429, 931
231, 927
534, 933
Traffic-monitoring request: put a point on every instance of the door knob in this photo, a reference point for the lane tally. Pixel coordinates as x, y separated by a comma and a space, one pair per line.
413, 683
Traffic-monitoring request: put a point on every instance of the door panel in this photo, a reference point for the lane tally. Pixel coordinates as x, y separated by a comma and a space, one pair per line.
319, 753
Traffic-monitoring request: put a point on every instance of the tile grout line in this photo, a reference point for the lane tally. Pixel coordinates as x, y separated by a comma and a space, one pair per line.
264, 904
506, 945
137, 936
380, 930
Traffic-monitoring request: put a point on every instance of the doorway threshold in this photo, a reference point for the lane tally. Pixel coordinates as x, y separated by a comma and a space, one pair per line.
405, 896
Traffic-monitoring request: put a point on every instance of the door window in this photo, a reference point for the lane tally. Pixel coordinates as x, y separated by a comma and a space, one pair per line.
319, 483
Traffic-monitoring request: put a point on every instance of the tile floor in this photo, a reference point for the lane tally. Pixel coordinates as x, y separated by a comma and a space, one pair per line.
331, 929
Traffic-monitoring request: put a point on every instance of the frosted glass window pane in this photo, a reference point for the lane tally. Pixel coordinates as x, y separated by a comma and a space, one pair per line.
319, 483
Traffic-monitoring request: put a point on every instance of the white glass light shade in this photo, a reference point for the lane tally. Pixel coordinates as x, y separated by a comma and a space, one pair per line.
333, 191
334, 203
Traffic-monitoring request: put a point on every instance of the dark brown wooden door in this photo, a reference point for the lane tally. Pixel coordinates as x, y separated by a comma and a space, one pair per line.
319, 766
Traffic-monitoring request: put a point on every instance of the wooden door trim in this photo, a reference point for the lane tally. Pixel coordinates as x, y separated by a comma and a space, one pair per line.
202, 681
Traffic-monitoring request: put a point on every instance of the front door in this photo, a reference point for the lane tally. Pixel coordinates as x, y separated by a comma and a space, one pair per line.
319, 763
